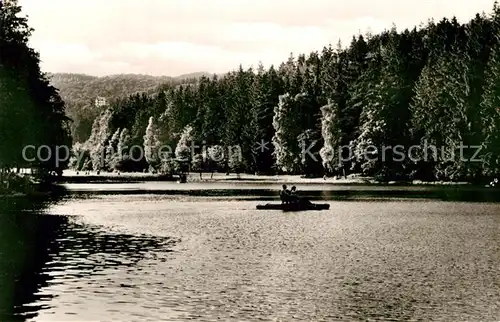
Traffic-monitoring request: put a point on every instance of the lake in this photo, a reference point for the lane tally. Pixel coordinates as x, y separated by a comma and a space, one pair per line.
168, 252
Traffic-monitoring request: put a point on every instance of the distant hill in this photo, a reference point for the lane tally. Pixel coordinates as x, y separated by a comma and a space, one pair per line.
79, 91
84, 88
194, 75
81, 87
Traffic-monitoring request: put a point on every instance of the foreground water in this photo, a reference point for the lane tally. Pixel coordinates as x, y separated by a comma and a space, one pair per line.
158, 257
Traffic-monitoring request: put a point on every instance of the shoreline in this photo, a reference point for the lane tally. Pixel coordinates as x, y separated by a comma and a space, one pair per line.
70, 176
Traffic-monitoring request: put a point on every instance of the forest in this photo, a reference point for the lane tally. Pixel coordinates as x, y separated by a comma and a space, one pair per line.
32, 113
437, 85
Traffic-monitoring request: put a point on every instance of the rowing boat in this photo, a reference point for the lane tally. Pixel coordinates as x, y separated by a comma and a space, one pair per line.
294, 206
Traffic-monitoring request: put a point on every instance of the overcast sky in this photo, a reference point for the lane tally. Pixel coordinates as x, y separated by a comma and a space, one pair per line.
172, 37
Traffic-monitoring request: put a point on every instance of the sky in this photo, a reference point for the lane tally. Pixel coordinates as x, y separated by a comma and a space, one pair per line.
173, 37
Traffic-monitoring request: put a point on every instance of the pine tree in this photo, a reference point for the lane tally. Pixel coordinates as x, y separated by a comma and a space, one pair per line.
98, 140
234, 114
285, 134
112, 156
198, 164
80, 155
235, 160
364, 98
269, 88
490, 106
124, 144
332, 137
215, 158
152, 145
123, 160
211, 115
308, 161
386, 118
183, 152
440, 114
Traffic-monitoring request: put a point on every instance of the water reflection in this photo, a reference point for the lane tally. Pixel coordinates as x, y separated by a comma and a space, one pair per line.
22, 238
39, 251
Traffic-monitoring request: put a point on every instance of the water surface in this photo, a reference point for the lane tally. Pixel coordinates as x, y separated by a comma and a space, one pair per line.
151, 257
270, 191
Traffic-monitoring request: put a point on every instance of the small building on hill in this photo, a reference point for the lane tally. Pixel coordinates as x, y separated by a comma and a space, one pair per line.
100, 101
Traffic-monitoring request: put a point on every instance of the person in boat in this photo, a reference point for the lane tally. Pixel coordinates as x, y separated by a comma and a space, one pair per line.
293, 195
296, 199
285, 195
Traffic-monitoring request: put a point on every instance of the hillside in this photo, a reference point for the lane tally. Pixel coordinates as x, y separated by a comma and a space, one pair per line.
81, 87
78, 88
79, 92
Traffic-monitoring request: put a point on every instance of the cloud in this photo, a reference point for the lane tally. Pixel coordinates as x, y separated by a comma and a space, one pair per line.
179, 36
63, 51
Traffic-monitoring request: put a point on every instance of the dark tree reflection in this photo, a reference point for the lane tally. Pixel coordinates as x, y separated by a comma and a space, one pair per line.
36, 247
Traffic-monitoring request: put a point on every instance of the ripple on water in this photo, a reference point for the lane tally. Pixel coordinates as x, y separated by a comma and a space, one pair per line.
88, 263
358, 261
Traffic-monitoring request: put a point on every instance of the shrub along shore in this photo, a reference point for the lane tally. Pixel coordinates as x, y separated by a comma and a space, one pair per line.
14, 183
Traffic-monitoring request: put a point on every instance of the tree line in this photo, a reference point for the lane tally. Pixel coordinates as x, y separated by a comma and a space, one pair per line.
433, 86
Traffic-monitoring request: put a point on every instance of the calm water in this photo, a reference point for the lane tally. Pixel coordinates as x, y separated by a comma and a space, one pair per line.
150, 255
